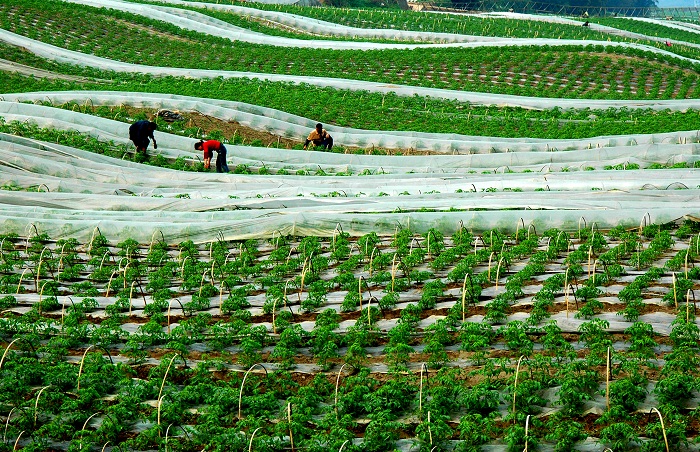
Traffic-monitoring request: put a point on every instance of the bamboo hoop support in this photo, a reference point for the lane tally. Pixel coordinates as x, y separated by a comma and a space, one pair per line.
337, 382
19, 284
663, 428
17, 440
162, 384
343, 445
109, 284
240, 391
420, 390
7, 423
250, 444
36, 403
515, 384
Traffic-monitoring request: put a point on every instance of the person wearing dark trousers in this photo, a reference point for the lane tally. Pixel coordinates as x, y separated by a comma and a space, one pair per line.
319, 137
210, 146
140, 132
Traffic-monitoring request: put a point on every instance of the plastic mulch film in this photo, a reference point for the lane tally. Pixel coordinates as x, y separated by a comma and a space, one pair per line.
250, 206
76, 58
512, 152
193, 20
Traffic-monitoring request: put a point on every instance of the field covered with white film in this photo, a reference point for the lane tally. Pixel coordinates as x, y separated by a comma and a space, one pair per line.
500, 252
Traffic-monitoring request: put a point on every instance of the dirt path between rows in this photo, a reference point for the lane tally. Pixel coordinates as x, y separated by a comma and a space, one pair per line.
29, 71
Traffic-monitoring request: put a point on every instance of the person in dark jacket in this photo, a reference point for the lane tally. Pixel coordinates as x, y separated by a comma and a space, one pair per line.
140, 132
319, 137
210, 146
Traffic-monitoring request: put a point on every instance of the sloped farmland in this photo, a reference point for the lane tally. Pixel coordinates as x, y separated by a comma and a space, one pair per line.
499, 253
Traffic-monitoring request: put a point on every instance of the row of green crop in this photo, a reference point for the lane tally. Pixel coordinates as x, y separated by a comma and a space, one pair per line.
268, 27
374, 111
486, 25
420, 21
482, 396
554, 72
126, 152
658, 30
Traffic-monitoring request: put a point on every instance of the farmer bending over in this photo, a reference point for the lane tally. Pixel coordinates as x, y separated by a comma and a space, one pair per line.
319, 137
209, 146
140, 132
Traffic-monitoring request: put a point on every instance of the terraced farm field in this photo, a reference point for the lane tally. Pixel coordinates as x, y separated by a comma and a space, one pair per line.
499, 252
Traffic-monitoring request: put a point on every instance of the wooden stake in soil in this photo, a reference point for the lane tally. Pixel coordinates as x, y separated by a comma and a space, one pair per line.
675, 299
289, 420
420, 390
131, 295
393, 272
430, 433
515, 385
464, 297
566, 299
359, 291
527, 428
607, 381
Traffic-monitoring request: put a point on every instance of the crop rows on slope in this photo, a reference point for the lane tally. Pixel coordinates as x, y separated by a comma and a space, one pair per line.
416, 21
442, 68
338, 328
656, 28
363, 110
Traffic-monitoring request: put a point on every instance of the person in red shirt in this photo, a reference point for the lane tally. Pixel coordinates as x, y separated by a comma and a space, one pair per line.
210, 146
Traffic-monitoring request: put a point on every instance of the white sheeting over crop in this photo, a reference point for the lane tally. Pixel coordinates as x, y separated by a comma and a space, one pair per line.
521, 153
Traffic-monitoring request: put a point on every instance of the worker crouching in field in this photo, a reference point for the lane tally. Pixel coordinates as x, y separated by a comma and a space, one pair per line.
140, 132
319, 137
210, 146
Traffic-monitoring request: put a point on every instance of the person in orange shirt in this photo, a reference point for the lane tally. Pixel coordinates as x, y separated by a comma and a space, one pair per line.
319, 137
208, 147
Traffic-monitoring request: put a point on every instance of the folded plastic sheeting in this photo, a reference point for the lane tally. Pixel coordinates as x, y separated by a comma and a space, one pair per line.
79, 191
512, 152
59, 54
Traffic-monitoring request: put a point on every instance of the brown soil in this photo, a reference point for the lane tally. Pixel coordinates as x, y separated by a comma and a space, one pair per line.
228, 128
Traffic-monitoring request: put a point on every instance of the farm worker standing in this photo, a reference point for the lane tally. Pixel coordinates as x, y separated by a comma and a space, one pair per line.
319, 137
209, 146
140, 132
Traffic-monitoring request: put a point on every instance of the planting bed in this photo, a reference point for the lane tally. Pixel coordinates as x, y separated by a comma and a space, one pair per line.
409, 341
